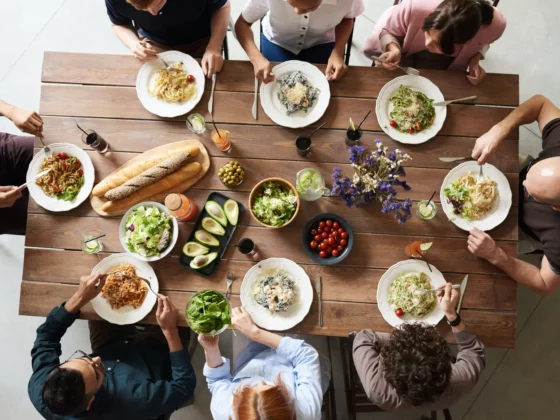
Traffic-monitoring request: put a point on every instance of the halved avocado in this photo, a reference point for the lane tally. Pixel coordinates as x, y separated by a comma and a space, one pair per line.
216, 211
231, 209
193, 249
210, 225
206, 238
203, 260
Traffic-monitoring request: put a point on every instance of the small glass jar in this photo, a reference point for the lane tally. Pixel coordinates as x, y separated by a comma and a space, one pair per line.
426, 211
92, 247
181, 207
221, 139
95, 141
353, 137
196, 123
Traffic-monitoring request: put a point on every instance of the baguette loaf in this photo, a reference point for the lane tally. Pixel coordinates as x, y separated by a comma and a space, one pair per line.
127, 173
164, 184
148, 177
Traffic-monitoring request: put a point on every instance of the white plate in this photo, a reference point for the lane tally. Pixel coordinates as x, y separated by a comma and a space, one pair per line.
51, 203
278, 321
501, 208
174, 233
127, 314
277, 112
403, 267
147, 74
383, 108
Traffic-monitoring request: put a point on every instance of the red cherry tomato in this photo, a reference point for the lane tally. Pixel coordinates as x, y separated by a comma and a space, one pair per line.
411, 130
418, 126
399, 312
327, 229
336, 234
317, 238
320, 230
393, 123
340, 248
62, 155
81, 173
323, 246
190, 78
332, 241
313, 245
314, 232
341, 231
336, 225
329, 250
343, 242
323, 254
329, 223
344, 235
322, 224
335, 252
324, 235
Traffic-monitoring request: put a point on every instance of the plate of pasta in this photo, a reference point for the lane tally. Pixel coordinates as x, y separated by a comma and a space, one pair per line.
170, 91
125, 299
69, 181
405, 109
299, 95
277, 293
398, 298
471, 202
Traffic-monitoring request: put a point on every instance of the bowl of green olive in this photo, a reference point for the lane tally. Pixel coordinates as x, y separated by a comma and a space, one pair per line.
231, 174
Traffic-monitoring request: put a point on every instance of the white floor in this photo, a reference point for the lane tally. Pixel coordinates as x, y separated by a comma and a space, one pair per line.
517, 384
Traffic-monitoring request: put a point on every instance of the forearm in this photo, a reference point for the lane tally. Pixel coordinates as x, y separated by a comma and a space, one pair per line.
6, 109
267, 338
522, 272
213, 358
246, 39
525, 113
126, 34
342, 34
218, 26
173, 340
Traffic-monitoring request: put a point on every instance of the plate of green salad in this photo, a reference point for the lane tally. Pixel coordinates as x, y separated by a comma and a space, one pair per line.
398, 300
405, 109
274, 202
148, 232
208, 312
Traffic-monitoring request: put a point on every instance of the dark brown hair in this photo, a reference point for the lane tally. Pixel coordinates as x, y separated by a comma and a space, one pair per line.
140, 4
417, 363
458, 21
271, 404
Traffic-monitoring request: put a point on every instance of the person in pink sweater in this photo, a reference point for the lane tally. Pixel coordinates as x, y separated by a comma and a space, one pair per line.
461, 31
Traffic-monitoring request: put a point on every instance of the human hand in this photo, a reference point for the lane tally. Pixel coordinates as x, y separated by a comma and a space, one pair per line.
8, 196
448, 298
90, 286
487, 144
476, 72
208, 342
482, 245
144, 51
336, 68
263, 70
212, 62
166, 314
27, 121
242, 322
392, 57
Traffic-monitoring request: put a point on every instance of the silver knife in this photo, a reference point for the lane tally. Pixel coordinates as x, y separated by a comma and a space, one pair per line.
255, 101
319, 294
443, 103
35, 178
463, 288
211, 101
454, 159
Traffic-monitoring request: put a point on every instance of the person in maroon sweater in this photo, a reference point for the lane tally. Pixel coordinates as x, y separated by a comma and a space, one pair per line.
16, 153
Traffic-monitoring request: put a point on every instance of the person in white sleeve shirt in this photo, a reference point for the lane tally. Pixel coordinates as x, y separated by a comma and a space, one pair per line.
315, 31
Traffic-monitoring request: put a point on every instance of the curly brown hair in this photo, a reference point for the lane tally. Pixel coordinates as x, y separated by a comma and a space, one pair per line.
417, 363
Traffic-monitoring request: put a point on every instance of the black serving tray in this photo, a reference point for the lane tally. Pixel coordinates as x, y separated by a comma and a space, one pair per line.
210, 269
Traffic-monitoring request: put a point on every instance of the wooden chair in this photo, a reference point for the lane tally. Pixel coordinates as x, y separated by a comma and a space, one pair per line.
356, 398
328, 409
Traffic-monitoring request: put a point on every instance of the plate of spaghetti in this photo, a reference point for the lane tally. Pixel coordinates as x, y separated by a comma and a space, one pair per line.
170, 91
472, 202
69, 182
125, 298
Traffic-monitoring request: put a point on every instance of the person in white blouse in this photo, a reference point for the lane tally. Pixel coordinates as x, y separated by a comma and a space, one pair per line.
315, 31
274, 377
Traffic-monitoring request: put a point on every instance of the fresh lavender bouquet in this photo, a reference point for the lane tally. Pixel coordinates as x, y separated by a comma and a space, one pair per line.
375, 176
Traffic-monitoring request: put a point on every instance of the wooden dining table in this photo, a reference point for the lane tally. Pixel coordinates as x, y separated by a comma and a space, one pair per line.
98, 91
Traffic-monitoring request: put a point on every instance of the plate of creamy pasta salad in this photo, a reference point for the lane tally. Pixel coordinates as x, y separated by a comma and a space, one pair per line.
299, 95
405, 109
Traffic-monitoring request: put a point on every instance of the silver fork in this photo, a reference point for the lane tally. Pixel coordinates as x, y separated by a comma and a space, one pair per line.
407, 70
425, 291
46, 149
480, 175
149, 285
230, 280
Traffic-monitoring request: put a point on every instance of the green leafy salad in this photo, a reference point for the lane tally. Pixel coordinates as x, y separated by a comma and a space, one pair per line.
275, 205
412, 110
403, 296
207, 312
148, 231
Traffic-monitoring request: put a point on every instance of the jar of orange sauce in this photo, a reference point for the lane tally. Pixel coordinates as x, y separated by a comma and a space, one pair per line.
181, 207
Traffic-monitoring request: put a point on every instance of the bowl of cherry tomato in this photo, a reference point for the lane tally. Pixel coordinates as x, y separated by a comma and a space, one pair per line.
327, 239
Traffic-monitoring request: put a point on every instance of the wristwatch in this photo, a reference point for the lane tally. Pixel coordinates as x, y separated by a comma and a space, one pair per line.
455, 322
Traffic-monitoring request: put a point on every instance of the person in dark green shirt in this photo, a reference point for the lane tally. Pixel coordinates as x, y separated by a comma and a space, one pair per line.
128, 376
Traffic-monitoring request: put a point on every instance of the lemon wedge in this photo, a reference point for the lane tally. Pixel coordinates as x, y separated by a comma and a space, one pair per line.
425, 246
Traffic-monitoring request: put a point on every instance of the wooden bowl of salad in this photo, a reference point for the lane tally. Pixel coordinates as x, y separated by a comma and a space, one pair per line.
274, 203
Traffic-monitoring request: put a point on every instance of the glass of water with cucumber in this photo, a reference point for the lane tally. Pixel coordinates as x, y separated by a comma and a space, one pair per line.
90, 246
311, 184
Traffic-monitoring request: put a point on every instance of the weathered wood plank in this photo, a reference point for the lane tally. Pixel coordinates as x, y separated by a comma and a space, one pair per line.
495, 329
261, 142
484, 291
370, 251
235, 107
359, 82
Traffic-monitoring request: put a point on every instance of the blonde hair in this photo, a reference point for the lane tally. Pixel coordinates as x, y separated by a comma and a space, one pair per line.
274, 403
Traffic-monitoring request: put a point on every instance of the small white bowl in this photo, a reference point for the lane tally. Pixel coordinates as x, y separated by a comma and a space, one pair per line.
174, 233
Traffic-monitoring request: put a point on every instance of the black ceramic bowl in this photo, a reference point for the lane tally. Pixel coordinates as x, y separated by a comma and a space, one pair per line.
306, 239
